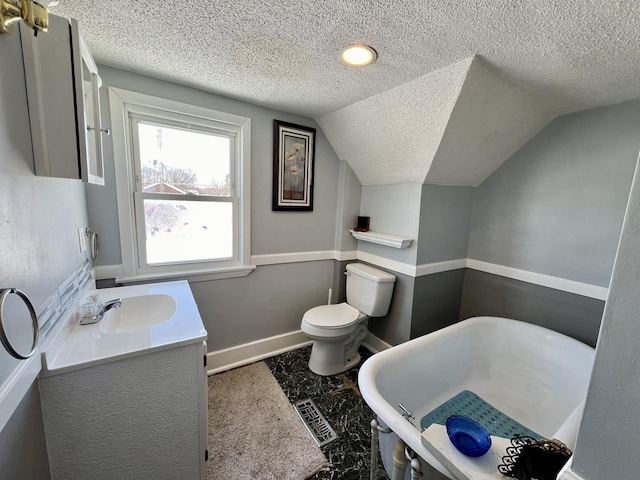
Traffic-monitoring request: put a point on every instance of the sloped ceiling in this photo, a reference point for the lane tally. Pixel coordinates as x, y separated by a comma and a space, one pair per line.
454, 126
572, 54
393, 137
492, 118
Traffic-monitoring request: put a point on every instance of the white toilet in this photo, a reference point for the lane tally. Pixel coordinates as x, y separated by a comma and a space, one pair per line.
338, 330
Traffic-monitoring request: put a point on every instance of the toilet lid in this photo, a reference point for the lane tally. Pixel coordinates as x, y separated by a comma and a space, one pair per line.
332, 316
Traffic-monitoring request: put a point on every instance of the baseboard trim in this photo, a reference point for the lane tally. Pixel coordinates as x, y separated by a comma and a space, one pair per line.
374, 344
228, 358
240, 355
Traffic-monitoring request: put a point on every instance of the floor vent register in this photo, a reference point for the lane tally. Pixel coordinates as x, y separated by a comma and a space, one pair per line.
315, 422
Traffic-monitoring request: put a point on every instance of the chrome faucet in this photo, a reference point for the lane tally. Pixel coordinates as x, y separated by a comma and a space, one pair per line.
407, 415
93, 312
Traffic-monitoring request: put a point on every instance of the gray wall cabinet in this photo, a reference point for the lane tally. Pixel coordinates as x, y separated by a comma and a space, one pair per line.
64, 103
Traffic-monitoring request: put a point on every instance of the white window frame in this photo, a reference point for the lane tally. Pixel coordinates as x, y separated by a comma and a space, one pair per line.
125, 105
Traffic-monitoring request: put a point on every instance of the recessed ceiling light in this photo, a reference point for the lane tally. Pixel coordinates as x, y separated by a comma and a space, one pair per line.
358, 55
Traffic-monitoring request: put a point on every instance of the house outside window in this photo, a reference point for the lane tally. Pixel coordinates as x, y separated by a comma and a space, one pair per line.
182, 177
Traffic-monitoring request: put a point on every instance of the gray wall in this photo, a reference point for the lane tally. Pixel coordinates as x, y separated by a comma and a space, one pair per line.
436, 301
493, 295
278, 294
556, 206
445, 215
270, 301
607, 444
271, 232
395, 327
340, 280
23, 451
394, 209
39, 218
349, 198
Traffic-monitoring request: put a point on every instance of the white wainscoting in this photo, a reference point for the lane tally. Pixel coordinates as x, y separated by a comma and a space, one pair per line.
297, 257
557, 283
250, 352
570, 286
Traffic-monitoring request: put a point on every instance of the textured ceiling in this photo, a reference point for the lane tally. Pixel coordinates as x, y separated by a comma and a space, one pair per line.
285, 54
424, 112
454, 126
392, 137
491, 120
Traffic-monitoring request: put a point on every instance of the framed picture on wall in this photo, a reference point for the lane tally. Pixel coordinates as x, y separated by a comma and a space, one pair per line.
293, 160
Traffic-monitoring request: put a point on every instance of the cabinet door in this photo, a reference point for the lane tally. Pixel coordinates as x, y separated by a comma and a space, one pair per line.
64, 102
48, 66
203, 393
90, 130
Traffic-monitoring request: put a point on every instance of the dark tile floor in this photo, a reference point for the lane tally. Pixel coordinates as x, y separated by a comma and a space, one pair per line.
338, 399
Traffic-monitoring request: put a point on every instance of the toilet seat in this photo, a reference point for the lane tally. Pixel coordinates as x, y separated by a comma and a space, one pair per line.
332, 316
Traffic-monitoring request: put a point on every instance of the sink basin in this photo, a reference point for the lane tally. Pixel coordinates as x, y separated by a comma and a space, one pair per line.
139, 312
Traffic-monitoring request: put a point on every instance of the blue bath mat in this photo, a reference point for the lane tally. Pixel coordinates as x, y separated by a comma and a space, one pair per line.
471, 405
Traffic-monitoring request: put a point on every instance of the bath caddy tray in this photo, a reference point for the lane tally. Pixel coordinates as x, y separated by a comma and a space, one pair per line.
436, 440
471, 405
500, 426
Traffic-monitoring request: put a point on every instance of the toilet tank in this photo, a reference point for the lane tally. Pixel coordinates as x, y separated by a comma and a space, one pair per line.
369, 289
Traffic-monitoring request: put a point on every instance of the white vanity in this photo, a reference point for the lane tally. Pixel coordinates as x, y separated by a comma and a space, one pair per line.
126, 397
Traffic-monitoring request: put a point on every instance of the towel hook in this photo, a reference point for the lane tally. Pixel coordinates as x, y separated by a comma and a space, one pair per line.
34, 319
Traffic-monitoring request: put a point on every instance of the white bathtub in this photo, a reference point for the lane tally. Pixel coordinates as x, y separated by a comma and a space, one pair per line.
536, 376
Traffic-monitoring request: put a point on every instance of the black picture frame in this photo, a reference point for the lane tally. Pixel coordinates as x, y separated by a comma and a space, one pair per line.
293, 166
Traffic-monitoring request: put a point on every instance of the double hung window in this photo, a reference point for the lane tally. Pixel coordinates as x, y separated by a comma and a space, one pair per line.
185, 180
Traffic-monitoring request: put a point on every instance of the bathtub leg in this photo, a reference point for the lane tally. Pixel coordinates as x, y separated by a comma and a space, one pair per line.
375, 429
399, 461
416, 468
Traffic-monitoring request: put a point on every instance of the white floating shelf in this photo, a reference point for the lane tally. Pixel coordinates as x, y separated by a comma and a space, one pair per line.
382, 239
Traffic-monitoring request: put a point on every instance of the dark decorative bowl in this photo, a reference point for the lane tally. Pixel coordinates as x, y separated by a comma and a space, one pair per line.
468, 436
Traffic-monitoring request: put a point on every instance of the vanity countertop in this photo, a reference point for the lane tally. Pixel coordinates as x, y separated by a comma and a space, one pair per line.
83, 346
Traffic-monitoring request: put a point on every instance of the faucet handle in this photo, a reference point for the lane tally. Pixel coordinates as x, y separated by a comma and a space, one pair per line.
407, 414
90, 310
94, 298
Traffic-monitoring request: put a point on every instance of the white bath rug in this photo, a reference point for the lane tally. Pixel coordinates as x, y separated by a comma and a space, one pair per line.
254, 432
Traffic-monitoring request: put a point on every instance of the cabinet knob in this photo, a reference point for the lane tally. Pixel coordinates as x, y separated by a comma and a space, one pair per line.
106, 131
90, 128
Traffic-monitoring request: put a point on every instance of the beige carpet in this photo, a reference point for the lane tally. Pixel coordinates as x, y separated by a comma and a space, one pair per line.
254, 432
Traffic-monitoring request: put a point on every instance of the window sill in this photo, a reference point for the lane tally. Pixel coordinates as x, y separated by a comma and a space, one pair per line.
191, 276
